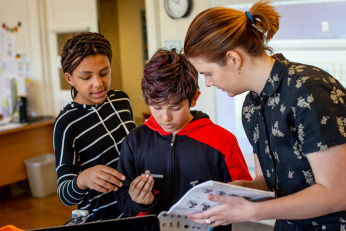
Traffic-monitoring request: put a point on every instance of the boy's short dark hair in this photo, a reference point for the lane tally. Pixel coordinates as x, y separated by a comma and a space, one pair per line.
169, 78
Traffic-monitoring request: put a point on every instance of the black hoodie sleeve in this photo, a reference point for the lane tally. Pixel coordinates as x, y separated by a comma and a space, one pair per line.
127, 167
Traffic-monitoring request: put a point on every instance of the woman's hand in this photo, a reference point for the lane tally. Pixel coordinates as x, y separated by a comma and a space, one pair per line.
100, 178
231, 210
140, 189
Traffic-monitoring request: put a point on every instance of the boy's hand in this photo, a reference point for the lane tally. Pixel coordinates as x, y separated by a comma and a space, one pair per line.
100, 178
140, 189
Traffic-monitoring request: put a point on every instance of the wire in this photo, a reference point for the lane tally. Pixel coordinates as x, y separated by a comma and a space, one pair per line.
68, 221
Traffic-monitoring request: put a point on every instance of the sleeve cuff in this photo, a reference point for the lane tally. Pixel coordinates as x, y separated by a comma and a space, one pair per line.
76, 188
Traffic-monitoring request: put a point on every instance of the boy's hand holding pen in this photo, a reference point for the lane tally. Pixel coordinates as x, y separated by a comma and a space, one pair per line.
141, 189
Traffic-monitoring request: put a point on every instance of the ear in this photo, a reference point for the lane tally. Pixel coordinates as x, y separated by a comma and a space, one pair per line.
194, 101
68, 78
234, 59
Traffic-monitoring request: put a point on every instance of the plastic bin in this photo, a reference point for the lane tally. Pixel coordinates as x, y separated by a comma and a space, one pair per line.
42, 175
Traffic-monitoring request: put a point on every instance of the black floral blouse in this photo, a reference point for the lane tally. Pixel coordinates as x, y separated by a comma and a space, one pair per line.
300, 110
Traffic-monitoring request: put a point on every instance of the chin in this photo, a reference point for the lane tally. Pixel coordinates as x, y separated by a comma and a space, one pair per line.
99, 100
230, 94
168, 130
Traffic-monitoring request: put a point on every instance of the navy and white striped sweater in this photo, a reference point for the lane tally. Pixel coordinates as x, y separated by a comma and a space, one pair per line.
85, 136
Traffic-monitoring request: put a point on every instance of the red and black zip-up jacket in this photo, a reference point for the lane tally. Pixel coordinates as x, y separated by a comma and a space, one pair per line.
199, 152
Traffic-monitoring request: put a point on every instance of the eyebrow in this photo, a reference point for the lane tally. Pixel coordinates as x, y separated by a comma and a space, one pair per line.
176, 105
84, 72
88, 72
169, 105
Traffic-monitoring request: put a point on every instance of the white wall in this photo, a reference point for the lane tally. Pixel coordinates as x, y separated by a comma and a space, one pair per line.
28, 43
161, 27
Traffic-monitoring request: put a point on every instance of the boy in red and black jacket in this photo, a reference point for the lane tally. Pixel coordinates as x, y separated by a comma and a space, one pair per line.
178, 146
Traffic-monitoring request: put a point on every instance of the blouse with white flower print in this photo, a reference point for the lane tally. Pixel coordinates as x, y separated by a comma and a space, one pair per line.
300, 110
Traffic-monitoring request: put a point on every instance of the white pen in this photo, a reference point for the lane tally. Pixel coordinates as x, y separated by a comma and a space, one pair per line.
155, 175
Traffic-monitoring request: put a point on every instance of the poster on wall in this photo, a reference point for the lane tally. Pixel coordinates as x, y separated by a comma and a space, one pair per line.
2, 44
10, 47
15, 73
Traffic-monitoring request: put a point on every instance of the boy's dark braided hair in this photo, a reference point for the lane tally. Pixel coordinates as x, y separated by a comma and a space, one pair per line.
80, 46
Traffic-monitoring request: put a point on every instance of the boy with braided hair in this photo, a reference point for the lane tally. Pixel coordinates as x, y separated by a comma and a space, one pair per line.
89, 131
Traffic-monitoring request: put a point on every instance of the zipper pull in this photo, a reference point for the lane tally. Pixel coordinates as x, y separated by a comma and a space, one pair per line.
172, 141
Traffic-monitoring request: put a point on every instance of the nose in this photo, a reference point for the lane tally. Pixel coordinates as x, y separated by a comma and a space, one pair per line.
208, 83
98, 81
166, 117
